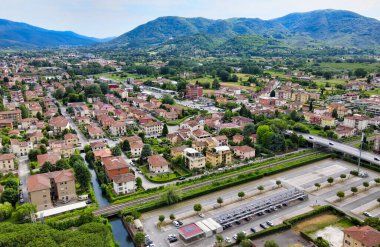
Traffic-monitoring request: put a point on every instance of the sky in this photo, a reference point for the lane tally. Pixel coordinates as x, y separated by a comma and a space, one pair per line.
108, 18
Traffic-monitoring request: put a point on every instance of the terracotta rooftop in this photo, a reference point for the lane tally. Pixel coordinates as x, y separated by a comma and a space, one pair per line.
124, 178
7, 156
157, 160
365, 235
52, 158
59, 121
111, 163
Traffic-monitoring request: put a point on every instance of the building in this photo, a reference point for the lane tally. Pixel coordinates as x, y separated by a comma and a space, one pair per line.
118, 128
364, 236
327, 121
45, 188
219, 156
124, 183
115, 166
20, 148
244, 152
59, 124
71, 139
193, 92
356, 121
194, 159
14, 115
7, 163
95, 132
158, 164
136, 148
376, 146
152, 128
52, 158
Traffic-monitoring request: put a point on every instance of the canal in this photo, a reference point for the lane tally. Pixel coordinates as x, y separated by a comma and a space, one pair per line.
119, 232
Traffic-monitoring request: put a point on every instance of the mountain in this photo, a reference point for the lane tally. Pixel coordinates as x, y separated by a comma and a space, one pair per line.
22, 35
336, 28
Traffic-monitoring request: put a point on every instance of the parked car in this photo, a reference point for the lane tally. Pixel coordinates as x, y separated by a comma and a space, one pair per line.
377, 159
253, 230
263, 226
269, 223
182, 178
228, 240
330, 143
176, 223
311, 138
367, 214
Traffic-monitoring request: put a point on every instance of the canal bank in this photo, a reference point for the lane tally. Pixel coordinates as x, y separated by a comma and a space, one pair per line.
119, 232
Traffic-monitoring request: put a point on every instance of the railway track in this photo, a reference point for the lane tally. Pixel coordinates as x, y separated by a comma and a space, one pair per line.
116, 208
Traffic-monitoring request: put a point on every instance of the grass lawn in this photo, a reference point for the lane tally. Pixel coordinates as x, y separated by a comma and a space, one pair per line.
374, 92
318, 222
371, 67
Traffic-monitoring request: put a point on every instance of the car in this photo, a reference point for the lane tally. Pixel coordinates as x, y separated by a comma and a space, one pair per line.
311, 138
279, 206
21, 183
330, 143
21, 200
173, 239
377, 159
202, 215
367, 214
89, 201
285, 204
363, 174
237, 222
182, 178
137, 169
171, 236
21, 195
263, 226
220, 169
152, 245
228, 240
269, 223
180, 222
235, 236
253, 229
176, 223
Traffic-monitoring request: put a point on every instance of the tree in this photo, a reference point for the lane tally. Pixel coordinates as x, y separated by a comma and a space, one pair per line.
240, 237
360, 73
272, 94
39, 116
32, 155
145, 152
330, 180
139, 238
24, 211
373, 222
311, 106
125, 146
161, 218
172, 217
340, 194
9, 195
320, 242
165, 131
270, 243
260, 188
377, 181
334, 113
219, 240
219, 200
278, 182
139, 182
343, 176
129, 219
366, 185
318, 185
116, 151
172, 195
249, 129
354, 190
197, 207
241, 194
24, 111
167, 99
5, 210
246, 243
82, 175
216, 84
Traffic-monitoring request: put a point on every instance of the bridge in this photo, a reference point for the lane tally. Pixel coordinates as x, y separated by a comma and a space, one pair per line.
343, 148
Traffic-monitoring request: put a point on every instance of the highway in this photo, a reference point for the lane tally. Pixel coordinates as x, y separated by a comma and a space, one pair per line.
341, 147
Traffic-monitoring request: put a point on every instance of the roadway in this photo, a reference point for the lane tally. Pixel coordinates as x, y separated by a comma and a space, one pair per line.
341, 147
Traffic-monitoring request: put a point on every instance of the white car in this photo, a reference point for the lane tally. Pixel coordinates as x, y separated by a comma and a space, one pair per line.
227, 240
235, 236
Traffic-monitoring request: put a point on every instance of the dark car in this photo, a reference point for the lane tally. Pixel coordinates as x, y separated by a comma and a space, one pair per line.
311, 138
330, 143
263, 226
253, 229
377, 159
182, 178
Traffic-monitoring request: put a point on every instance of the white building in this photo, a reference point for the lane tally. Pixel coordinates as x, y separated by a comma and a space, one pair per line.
194, 159
124, 183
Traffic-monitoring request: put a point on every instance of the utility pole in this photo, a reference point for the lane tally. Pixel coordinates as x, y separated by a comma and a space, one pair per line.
360, 151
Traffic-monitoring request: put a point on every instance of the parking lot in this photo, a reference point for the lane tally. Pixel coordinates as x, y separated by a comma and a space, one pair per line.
301, 178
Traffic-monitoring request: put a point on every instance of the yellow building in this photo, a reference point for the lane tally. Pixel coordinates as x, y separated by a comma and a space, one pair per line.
219, 155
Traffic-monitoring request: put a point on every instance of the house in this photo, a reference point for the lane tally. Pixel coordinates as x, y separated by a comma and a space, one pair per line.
115, 166
35, 136
177, 151
356, 121
98, 145
103, 153
152, 128
200, 134
20, 148
95, 132
219, 155
136, 148
118, 128
376, 147
244, 152
45, 188
192, 125
364, 236
59, 124
71, 139
158, 164
193, 92
51, 157
194, 159
220, 140
15, 115
241, 121
327, 121
237, 139
7, 163
344, 131
124, 183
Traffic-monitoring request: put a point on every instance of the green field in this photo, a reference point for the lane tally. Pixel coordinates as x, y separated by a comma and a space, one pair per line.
370, 67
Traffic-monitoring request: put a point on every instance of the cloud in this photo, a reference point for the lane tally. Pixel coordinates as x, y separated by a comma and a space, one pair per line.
103, 18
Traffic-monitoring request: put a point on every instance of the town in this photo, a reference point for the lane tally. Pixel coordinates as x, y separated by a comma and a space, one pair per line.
175, 144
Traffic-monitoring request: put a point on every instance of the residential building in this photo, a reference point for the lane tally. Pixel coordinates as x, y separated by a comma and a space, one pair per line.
51, 157
59, 124
376, 147
158, 164
45, 188
71, 139
136, 148
118, 128
364, 236
152, 128
20, 148
356, 121
95, 132
115, 166
124, 183
244, 152
219, 155
193, 92
15, 115
7, 163
194, 159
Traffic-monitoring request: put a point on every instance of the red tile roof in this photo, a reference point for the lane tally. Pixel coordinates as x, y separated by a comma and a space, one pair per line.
157, 160
365, 235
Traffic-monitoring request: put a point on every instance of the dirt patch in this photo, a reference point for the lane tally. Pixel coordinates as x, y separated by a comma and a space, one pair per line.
315, 223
